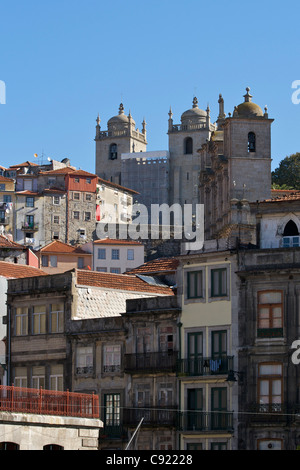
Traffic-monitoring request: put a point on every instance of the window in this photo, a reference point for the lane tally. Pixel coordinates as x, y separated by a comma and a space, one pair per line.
55, 236
38, 377
27, 185
88, 197
56, 219
84, 360
115, 270
115, 254
130, 254
194, 285
6, 199
101, 270
89, 180
57, 318
219, 416
51, 180
29, 201
165, 394
21, 321
101, 253
195, 353
45, 261
270, 314
251, 142
9, 446
56, 200
56, 378
76, 196
194, 419
2, 187
53, 261
29, 221
218, 282
112, 407
166, 339
53, 447
112, 358
76, 215
113, 152
87, 216
39, 319
290, 235
77, 180
2, 217
188, 146
20, 377
270, 387
80, 263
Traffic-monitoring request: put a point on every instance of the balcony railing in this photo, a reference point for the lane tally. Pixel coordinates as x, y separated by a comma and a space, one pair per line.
269, 412
205, 366
48, 402
28, 227
153, 416
151, 362
206, 421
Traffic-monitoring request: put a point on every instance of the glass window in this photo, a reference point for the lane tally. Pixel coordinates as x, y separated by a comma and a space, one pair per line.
76, 196
56, 200
115, 270
29, 201
53, 261
39, 319
21, 327
218, 282
20, 377
6, 198
270, 314
87, 216
270, 387
57, 318
80, 263
88, 197
45, 261
194, 285
38, 377
130, 254
112, 358
101, 253
84, 360
218, 344
56, 219
115, 254
112, 407
76, 215
56, 378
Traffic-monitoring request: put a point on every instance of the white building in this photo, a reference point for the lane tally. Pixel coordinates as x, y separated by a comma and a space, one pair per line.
117, 256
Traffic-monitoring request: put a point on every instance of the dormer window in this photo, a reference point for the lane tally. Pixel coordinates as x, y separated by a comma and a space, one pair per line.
251, 142
113, 152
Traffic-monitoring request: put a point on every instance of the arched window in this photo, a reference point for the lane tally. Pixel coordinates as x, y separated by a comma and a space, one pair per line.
188, 146
53, 447
251, 142
291, 235
113, 152
9, 446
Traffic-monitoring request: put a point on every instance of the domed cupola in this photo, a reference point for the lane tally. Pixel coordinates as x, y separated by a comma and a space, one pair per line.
248, 109
120, 121
194, 115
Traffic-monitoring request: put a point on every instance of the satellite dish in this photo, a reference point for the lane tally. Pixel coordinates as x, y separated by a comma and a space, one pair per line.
49, 159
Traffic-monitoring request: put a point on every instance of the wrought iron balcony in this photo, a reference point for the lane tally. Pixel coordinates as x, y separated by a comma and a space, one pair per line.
151, 362
269, 412
206, 421
153, 416
205, 366
30, 227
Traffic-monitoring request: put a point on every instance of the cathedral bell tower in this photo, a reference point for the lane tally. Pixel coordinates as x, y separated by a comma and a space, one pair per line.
120, 137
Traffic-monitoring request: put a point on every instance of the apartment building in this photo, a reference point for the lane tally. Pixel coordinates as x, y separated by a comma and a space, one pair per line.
117, 256
58, 257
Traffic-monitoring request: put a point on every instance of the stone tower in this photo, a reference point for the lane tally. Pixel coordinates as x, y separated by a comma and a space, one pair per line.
120, 137
236, 166
184, 141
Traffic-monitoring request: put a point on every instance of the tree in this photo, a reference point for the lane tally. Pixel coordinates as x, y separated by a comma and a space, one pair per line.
287, 175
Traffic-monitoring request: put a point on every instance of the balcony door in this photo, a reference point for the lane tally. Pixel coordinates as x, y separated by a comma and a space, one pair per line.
219, 416
195, 407
195, 353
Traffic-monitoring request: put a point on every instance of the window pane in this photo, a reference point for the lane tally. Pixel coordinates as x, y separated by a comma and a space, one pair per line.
270, 297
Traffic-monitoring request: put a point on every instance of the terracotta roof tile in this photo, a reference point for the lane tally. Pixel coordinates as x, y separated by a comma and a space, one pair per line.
110, 241
24, 165
292, 196
7, 243
119, 282
59, 247
159, 265
5, 179
68, 171
14, 271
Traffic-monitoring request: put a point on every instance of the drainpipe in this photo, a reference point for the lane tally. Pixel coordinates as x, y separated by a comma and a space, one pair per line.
179, 324
8, 347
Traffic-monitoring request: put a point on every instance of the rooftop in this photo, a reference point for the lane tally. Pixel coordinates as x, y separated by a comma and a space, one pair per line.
110, 241
121, 282
16, 271
117, 186
68, 171
59, 247
7, 243
159, 265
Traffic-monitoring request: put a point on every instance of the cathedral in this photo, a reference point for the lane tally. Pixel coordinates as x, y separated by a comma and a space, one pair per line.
224, 165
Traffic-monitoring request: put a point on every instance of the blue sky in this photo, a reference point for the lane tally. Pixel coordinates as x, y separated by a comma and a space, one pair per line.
63, 62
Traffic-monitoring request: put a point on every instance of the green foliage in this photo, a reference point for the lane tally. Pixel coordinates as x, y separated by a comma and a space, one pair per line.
287, 175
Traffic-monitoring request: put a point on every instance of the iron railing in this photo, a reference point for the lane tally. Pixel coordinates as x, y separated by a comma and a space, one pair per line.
151, 362
49, 402
206, 421
152, 416
205, 366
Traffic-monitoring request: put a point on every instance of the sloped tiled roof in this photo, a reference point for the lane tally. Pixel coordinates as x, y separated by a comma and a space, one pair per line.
68, 170
4, 179
7, 243
122, 282
289, 196
159, 265
111, 241
59, 247
117, 186
24, 164
15, 271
